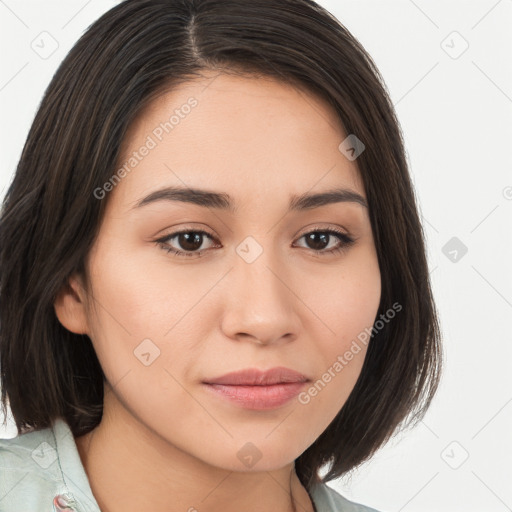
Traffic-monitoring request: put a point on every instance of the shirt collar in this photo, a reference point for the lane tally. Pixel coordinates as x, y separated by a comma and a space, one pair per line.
78, 494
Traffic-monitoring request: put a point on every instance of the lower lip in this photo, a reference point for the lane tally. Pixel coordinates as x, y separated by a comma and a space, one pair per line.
258, 397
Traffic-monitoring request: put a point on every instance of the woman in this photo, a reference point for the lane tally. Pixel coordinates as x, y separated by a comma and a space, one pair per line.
213, 274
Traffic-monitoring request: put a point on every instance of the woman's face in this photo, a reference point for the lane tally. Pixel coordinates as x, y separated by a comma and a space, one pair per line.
262, 293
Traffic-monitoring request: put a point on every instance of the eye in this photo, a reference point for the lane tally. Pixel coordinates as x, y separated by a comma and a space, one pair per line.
192, 240
189, 240
320, 238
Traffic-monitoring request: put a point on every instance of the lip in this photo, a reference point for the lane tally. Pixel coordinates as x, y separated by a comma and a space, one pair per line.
256, 389
255, 377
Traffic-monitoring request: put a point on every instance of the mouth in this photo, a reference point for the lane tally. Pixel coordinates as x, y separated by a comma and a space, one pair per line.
256, 377
256, 389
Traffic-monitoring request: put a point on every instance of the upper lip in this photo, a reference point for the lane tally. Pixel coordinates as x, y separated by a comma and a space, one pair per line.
255, 377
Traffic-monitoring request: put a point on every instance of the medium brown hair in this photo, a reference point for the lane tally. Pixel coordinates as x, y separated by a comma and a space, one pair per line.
50, 216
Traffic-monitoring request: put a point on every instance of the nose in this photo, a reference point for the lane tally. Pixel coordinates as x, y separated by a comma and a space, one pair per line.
262, 305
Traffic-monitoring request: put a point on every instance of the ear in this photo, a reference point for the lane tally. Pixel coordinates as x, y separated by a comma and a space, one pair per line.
70, 305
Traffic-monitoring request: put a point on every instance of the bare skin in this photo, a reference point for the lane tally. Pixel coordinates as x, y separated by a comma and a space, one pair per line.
165, 443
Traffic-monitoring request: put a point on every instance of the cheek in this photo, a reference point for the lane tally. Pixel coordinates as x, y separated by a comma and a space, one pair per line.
138, 291
345, 299
345, 307
126, 324
151, 318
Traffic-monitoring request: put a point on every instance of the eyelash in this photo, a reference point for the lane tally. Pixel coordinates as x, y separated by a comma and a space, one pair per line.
346, 242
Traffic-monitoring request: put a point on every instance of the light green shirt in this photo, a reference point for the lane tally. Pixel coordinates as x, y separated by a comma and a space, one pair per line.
42, 471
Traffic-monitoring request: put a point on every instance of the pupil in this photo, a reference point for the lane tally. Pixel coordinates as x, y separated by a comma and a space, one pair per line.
322, 236
184, 240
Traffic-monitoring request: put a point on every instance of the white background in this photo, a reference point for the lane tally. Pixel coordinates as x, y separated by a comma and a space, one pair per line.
456, 114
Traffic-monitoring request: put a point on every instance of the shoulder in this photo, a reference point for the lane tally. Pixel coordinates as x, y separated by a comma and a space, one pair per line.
32, 453
328, 500
27, 469
36, 467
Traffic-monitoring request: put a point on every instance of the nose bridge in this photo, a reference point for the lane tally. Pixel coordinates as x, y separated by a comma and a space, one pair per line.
261, 305
259, 267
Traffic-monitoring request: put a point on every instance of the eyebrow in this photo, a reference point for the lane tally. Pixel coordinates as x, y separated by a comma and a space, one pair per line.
222, 201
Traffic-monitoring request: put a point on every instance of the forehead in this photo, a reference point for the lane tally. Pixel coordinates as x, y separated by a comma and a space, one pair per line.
247, 136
